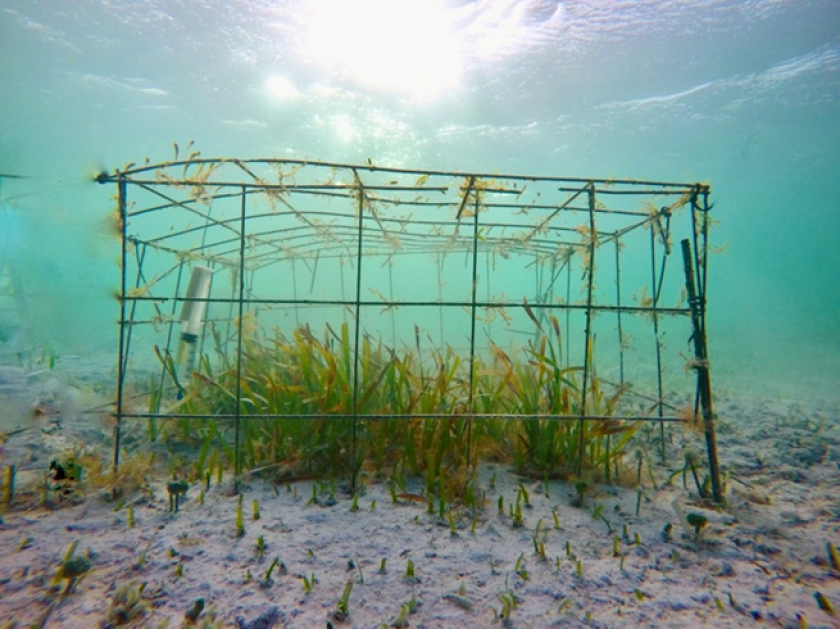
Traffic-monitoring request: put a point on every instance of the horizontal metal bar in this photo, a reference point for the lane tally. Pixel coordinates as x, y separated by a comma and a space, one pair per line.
415, 304
106, 177
173, 416
166, 183
666, 191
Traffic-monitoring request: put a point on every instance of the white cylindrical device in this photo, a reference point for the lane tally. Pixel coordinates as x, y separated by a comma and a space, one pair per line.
192, 318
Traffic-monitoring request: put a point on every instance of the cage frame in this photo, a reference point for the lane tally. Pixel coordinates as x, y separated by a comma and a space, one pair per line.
694, 248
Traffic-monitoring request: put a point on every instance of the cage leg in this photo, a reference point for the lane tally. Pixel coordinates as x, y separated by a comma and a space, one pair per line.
440, 262
343, 288
655, 316
392, 309
618, 311
704, 383
121, 208
472, 330
588, 331
358, 310
295, 293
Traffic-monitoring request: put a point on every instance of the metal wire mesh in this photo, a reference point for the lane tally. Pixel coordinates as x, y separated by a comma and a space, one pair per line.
467, 261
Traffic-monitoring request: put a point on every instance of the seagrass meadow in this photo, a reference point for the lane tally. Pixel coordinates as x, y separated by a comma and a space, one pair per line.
304, 319
439, 314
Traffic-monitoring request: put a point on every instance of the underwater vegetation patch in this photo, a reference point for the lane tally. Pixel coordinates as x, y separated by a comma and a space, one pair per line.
295, 394
340, 319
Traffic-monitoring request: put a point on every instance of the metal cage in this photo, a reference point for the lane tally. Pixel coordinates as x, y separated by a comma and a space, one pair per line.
467, 261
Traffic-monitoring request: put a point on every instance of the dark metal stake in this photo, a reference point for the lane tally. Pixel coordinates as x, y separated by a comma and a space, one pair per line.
237, 464
357, 330
618, 311
471, 410
294, 292
588, 333
704, 383
121, 208
655, 315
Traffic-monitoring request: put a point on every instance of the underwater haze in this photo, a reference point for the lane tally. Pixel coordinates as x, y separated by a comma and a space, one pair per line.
742, 94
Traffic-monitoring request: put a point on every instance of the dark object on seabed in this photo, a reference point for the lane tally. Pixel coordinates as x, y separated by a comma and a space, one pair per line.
67, 471
266, 620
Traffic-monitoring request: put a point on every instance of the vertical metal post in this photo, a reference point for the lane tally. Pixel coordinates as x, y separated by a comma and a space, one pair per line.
440, 261
201, 248
703, 279
171, 326
121, 209
391, 295
655, 315
294, 291
704, 383
588, 331
254, 309
488, 326
618, 311
568, 335
231, 304
537, 297
343, 289
699, 257
471, 410
549, 295
361, 208
237, 465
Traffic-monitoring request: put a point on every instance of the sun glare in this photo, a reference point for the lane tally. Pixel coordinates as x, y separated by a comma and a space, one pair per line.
281, 89
400, 46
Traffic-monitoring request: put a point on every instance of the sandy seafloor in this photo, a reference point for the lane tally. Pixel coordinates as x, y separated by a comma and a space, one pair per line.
758, 563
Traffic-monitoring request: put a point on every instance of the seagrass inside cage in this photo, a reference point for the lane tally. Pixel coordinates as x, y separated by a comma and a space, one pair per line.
460, 270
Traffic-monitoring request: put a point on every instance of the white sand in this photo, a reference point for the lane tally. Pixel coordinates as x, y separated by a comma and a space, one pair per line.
769, 558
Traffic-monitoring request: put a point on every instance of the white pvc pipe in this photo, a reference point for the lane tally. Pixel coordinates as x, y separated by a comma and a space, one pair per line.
192, 318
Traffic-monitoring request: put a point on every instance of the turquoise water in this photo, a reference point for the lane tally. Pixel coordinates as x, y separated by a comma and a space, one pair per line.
745, 95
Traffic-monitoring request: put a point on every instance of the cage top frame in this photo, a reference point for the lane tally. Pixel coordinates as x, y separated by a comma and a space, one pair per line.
206, 180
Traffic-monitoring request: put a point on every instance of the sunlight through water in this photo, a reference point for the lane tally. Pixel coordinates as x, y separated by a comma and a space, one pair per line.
394, 46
